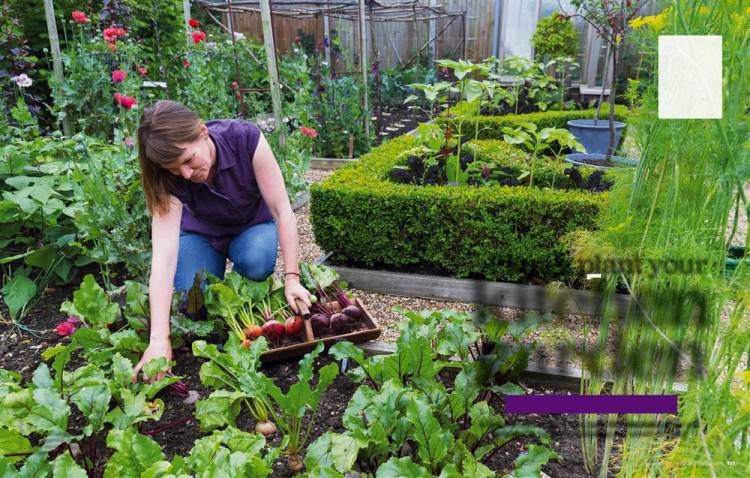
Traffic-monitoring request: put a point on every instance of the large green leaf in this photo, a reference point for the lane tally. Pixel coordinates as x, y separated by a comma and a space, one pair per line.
218, 410
465, 464
90, 302
134, 454
65, 466
529, 464
93, 402
15, 444
36, 465
42, 258
17, 292
50, 412
332, 450
402, 468
433, 442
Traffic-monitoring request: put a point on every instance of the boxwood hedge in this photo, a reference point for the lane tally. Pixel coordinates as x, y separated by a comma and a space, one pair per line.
490, 127
510, 234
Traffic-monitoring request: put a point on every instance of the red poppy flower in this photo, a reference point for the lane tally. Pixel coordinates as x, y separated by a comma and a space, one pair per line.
193, 23
198, 36
186, 63
128, 102
112, 34
118, 76
238, 96
125, 101
309, 132
142, 71
65, 329
79, 17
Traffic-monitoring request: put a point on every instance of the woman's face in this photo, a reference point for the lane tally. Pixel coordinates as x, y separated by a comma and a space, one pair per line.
197, 160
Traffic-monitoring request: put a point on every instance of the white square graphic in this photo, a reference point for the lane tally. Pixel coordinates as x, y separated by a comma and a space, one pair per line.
690, 77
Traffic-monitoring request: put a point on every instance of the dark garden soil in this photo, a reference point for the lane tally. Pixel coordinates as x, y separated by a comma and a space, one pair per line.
397, 121
178, 429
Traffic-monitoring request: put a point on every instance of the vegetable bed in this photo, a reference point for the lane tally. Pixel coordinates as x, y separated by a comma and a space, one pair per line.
174, 435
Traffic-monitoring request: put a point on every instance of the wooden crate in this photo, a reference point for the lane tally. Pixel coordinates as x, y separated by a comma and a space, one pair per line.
371, 332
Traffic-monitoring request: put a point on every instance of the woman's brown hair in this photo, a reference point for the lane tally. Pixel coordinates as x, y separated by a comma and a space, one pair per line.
163, 126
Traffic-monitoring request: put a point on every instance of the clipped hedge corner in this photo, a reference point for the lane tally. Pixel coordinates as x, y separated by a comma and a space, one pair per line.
510, 234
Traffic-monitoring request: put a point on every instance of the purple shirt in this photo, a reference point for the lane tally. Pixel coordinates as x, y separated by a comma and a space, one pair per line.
234, 202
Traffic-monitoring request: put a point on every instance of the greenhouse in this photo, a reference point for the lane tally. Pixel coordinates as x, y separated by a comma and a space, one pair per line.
374, 238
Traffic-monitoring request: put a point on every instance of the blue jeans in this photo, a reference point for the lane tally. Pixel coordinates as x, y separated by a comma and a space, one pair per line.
253, 253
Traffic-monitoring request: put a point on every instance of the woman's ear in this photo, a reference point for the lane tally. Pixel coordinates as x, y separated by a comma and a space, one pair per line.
203, 130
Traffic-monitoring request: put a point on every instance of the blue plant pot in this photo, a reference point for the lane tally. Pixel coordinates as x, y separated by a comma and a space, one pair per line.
594, 136
589, 161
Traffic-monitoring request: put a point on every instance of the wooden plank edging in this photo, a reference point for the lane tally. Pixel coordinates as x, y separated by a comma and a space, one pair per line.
561, 300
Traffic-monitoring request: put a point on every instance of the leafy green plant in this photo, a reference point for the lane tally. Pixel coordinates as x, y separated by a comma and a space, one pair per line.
227, 452
395, 81
291, 409
43, 408
231, 374
555, 36
341, 118
436, 427
536, 142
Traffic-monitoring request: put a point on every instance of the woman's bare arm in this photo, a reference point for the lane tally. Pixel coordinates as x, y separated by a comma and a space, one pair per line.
271, 184
165, 242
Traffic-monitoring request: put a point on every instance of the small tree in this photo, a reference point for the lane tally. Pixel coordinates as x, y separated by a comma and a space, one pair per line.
610, 19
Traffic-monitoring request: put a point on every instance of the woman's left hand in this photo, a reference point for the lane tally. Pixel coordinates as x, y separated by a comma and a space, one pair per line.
294, 291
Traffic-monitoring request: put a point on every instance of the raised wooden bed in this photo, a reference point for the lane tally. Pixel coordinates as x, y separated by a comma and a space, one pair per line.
561, 300
371, 332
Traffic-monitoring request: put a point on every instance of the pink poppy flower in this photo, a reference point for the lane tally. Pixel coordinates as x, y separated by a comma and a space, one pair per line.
118, 76
65, 329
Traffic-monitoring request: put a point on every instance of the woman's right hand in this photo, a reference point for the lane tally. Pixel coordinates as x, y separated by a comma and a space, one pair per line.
156, 348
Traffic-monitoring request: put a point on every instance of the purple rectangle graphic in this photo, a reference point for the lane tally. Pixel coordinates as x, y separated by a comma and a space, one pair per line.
577, 404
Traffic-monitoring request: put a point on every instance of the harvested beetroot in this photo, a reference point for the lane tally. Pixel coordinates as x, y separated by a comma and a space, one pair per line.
320, 323
253, 332
273, 330
352, 311
293, 325
341, 323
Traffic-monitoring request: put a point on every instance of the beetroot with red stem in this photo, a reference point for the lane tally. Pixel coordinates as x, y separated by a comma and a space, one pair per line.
273, 330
